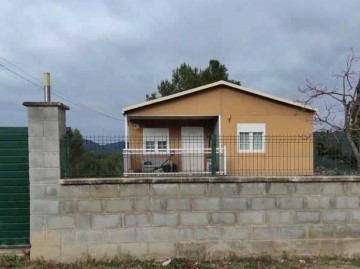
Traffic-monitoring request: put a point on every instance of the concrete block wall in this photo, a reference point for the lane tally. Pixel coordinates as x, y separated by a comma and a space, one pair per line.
198, 219
201, 218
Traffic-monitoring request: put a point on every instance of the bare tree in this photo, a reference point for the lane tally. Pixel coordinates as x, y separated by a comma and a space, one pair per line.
341, 103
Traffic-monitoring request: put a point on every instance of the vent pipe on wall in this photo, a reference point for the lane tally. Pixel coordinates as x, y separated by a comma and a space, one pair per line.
47, 97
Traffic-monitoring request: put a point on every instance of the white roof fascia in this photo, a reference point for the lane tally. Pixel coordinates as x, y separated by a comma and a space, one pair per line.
218, 83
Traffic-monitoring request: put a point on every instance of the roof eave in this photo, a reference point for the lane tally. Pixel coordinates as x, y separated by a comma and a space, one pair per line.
218, 83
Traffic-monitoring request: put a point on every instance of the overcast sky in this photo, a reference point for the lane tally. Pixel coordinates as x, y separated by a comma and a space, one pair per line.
109, 54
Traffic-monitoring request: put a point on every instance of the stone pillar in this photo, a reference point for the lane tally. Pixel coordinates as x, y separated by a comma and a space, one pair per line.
46, 127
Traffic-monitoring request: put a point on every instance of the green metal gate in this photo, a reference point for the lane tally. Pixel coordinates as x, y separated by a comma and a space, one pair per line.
14, 186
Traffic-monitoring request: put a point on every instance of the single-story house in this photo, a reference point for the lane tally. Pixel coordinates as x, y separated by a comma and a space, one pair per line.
243, 131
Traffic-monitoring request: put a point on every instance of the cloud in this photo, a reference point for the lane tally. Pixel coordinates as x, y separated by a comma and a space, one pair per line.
109, 54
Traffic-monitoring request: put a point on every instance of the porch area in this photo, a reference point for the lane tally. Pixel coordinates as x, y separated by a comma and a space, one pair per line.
175, 162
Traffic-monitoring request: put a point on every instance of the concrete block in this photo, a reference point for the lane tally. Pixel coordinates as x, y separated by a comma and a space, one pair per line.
68, 237
353, 188
208, 233
89, 206
205, 204
36, 144
103, 251
60, 222
73, 252
44, 144
194, 218
142, 205
153, 234
279, 188
36, 159
82, 191
161, 250
165, 234
118, 236
37, 191
164, 190
119, 205
278, 217
191, 250
234, 204
333, 217
336, 188
104, 191
347, 231
321, 231
347, 202
52, 159
37, 238
161, 204
44, 175
68, 206
295, 232
36, 129
83, 221
265, 233
106, 221
348, 247
308, 188
355, 216
44, 207
178, 204
223, 218
223, 189
53, 238
46, 252
85, 237
134, 190
251, 217
309, 247
191, 190
39, 114
274, 248
51, 129
165, 219
318, 202
58, 191
37, 223
262, 203
134, 249
246, 189
304, 217
291, 203
235, 233
137, 220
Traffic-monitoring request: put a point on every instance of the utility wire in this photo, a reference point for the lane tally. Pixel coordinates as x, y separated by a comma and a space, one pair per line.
55, 92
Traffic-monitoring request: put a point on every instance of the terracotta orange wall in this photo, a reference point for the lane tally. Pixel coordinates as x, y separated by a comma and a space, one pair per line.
280, 119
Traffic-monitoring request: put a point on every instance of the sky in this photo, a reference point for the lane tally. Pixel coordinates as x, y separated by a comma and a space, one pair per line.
105, 55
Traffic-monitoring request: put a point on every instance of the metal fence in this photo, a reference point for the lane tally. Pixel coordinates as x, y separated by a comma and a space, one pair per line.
246, 155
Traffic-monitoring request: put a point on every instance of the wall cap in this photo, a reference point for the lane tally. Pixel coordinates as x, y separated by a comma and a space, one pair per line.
219, 179
46, 104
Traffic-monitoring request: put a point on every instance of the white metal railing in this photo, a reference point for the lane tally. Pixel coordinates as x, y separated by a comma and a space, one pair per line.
141, 162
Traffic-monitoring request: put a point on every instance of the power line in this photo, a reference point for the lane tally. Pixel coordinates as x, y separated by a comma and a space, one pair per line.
55, 92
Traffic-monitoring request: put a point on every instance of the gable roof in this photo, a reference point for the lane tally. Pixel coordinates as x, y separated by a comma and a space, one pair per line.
219, 83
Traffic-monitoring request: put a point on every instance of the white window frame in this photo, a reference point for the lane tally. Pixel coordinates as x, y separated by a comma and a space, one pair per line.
251, 128
156, 135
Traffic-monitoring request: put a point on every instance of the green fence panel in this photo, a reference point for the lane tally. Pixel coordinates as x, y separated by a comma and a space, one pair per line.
14, 186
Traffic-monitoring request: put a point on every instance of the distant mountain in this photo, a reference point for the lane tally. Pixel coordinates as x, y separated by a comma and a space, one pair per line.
103, 149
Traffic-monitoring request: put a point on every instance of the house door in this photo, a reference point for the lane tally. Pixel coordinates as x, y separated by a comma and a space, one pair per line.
192, 145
